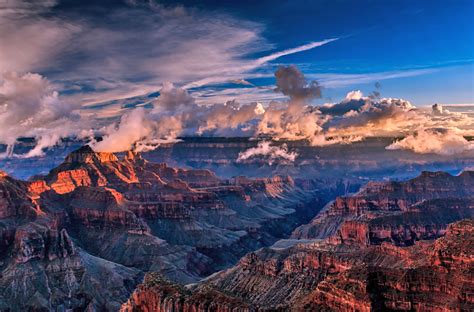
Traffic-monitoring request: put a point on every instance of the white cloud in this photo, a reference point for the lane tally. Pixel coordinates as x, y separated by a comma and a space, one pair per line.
437, 141
30, 107
99, 59
146, 49
247, 66
301, 48
176, 113
354, 95
133, 128
29, 40
152, 45
269, 153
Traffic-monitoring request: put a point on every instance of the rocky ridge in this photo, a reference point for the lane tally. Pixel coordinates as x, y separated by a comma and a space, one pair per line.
434, 275
82, 236
405, 246
396, 212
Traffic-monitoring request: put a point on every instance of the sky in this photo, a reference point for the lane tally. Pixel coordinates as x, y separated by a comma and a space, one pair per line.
91, 62
419, 50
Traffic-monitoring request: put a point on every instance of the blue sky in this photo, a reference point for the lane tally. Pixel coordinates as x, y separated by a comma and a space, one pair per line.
376, 37
138, 71
94, 52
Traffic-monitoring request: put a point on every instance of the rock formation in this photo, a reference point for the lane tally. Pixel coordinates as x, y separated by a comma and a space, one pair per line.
98, 215
393, 246
397, 212
435, 275
83, 236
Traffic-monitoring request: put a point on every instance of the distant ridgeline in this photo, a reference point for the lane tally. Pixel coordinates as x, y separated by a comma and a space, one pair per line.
367, 159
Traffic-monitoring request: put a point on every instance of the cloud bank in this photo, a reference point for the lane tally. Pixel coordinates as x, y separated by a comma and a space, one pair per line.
436, 141
175, 113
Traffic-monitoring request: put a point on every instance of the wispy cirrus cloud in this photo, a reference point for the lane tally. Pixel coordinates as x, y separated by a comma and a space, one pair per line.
28, 39
248, 65
143, 45
134, 48
305, 47
336, 80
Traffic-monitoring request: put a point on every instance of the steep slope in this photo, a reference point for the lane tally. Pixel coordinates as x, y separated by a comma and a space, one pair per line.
160, 295
320, 276
221, 219
438, 277
392, 246
399, 212
83, 236
41, 266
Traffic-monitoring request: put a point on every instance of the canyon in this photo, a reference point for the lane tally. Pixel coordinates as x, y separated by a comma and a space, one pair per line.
404, 246
98, 215
109, 232
433, 275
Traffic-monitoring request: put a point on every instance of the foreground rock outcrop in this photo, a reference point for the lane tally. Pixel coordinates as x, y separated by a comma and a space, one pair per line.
43, 268
160, 295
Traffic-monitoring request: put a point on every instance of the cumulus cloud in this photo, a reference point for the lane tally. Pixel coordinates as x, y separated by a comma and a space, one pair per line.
268, 152
355, 95
438, 109
173, 99
30, 107
437, 141
43, 142
291, 82
370, 117
133, 127
290, 121
176, 113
